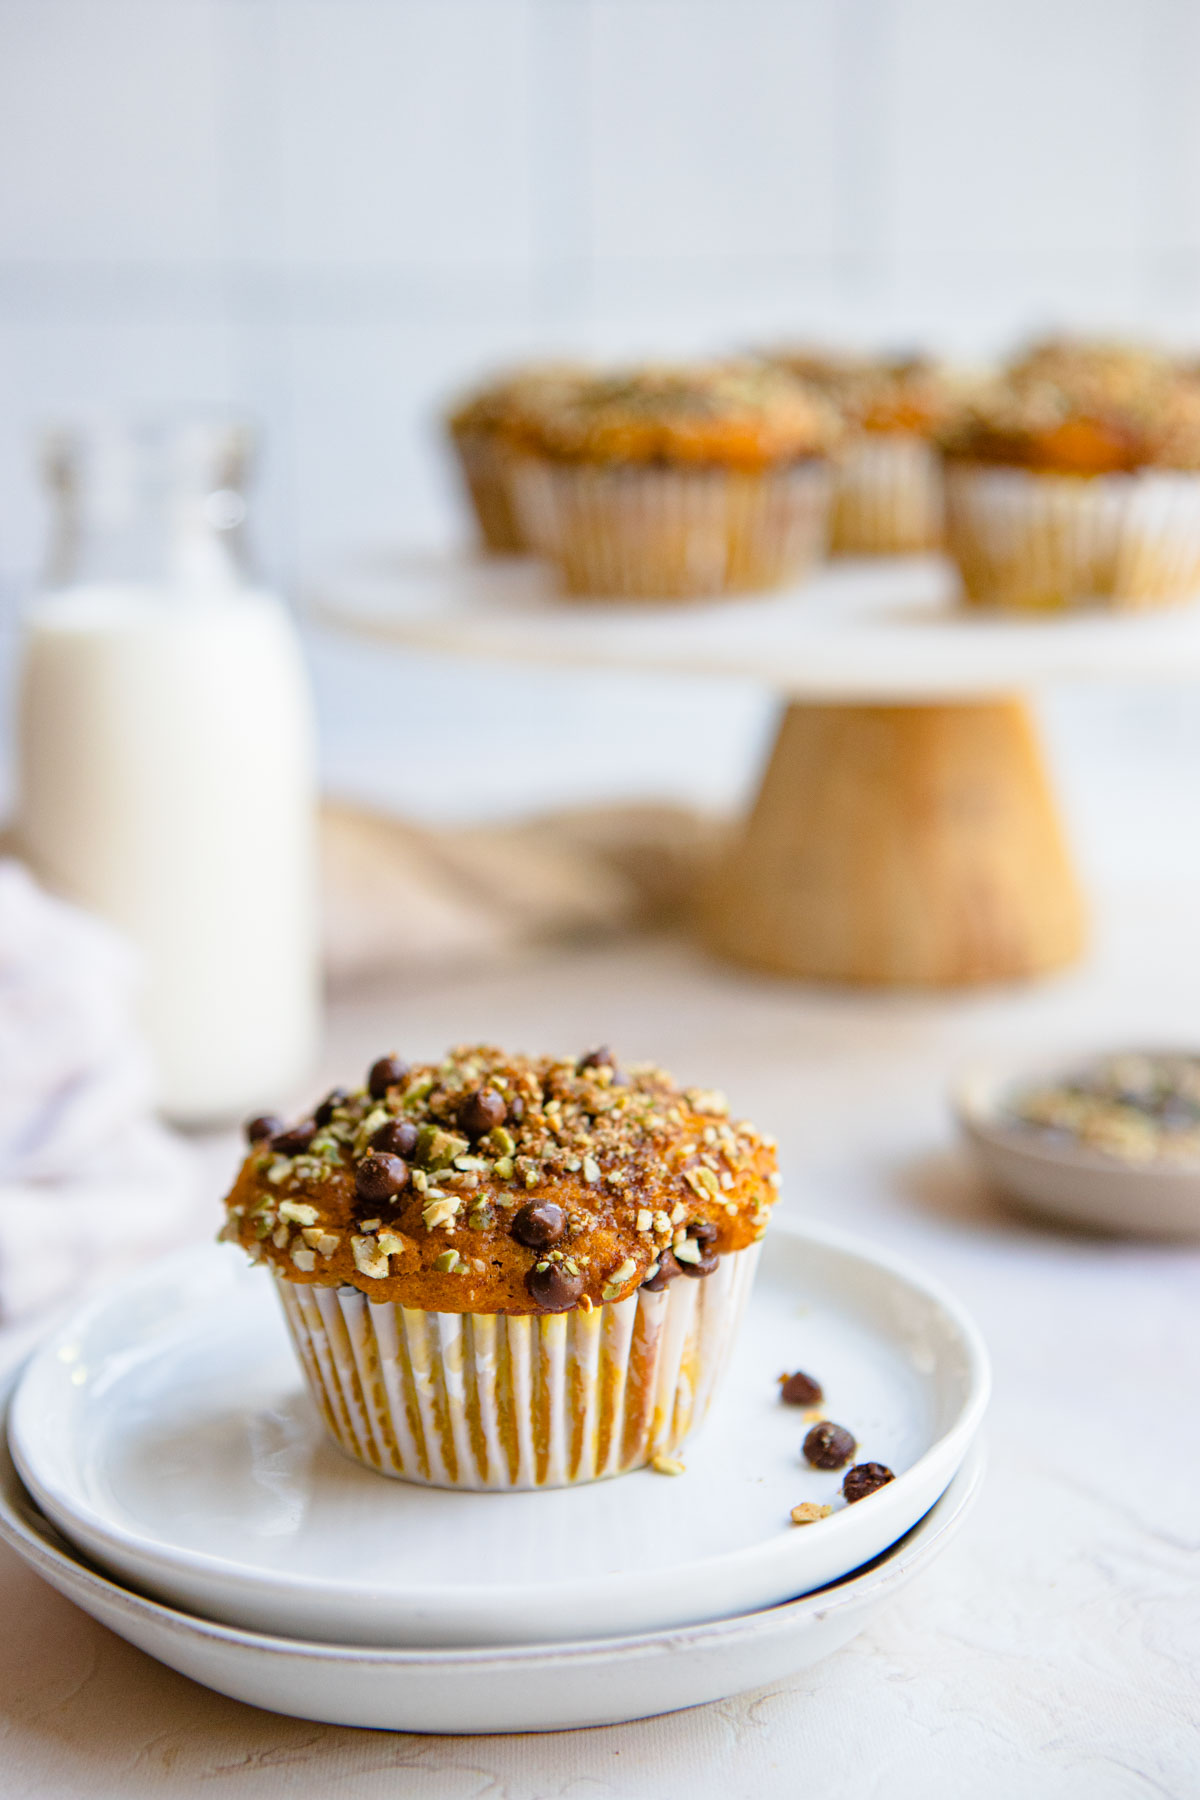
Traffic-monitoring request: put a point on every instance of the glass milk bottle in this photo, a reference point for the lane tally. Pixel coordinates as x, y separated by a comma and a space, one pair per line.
165, 756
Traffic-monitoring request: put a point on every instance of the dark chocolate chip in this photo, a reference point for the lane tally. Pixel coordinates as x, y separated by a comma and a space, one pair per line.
668, 1269
380, 1176
267, 1125
295, 1139
388, 1072
704, 1231
829, 1446
324, 1112
800, 1389
482, 1112
864, 1479
398, 1137
539, 1226
554, 1288
697, 1270
600, 1058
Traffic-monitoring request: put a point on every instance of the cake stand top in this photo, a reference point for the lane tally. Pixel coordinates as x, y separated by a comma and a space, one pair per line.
860, 630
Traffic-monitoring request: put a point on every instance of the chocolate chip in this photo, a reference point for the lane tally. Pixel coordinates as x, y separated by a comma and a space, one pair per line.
482, 1112
295, 1139
829, 1446
379, 1177
537, 1227
697, 1270
324, 1112
800, 1390
864, 1479
554, 1288
398, 1137
601, 1058
668, 1268
704, 1231
267, 1125
388, 1072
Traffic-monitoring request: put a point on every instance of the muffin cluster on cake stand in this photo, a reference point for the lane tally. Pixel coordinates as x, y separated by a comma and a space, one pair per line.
906, 830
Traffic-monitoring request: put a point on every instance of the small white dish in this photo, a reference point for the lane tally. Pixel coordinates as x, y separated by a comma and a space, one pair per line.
1066, 1181
524, 1688
167, 1433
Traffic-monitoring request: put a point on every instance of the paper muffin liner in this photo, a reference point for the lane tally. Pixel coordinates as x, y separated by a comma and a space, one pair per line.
888, 498
497, 1402
486, 466
643, 533
1040, 542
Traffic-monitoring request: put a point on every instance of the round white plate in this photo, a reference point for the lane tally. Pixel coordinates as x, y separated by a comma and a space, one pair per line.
877, 628
1069, 1182
527, 1688
166, 1432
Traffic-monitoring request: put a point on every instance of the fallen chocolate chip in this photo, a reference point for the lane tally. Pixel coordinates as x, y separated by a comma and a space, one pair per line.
378, 1177
398, 1137
267, 1125
697, 1270
295, 1139
324, 1112
601, 1058
829, 1446
864, 1479
668, 1269
800, 1390
554, 1288
388, 1072
539, 1226
704, 1231
482, 1112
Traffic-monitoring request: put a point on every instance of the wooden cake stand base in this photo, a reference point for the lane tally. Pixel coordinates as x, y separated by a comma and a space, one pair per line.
915, 844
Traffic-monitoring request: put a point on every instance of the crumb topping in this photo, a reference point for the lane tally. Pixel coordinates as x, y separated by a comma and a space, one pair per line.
910, 394
497, 1183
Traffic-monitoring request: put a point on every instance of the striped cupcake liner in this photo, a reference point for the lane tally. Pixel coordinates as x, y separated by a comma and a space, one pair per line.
889, 498
497, 1402
641, 533
486, 468
1046, 543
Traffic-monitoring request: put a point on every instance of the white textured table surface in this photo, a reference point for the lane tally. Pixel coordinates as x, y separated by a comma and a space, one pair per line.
1052, 1652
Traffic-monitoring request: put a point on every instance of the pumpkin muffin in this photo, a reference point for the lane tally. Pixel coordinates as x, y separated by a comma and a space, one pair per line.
1074, 478
509, 1271
678, 483
888, 499
482, 426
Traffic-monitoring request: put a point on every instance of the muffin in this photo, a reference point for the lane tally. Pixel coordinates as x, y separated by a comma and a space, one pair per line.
1074, 478
481, 428
678, 483
507, 1271
888, 497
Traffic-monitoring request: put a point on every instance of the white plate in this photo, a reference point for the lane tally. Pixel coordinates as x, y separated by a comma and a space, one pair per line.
527, 1688
166, 1432
1066, 1181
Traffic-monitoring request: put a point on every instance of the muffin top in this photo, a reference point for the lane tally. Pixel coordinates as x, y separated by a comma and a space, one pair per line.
738, 415
498, 405
1080, 408
900, 393
493, 1183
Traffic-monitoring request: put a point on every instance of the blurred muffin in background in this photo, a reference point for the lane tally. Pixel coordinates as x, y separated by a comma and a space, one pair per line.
678, 482
1073, 478
482, 426
888, 498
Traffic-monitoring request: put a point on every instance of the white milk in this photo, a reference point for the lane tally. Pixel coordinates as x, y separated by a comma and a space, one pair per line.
166, 780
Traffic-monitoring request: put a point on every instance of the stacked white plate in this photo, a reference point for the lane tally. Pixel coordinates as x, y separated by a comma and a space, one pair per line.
179, 1486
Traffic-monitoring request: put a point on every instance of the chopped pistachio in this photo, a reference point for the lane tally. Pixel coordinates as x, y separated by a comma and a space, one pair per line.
591, 1169
312, 1235
678, 1213
370, 1224
689, 1251
447, 1262
502, 1141
392, 1243
440, 1212
503, 1167
280, 1237
481, 1218
279, 1170
298, 1211
645, 1220
369, 1259
328, 1242
305, 1260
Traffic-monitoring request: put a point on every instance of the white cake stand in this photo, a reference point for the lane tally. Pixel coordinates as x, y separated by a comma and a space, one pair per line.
905, 831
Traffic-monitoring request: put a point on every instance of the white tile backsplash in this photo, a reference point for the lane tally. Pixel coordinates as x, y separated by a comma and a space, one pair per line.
331, 210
